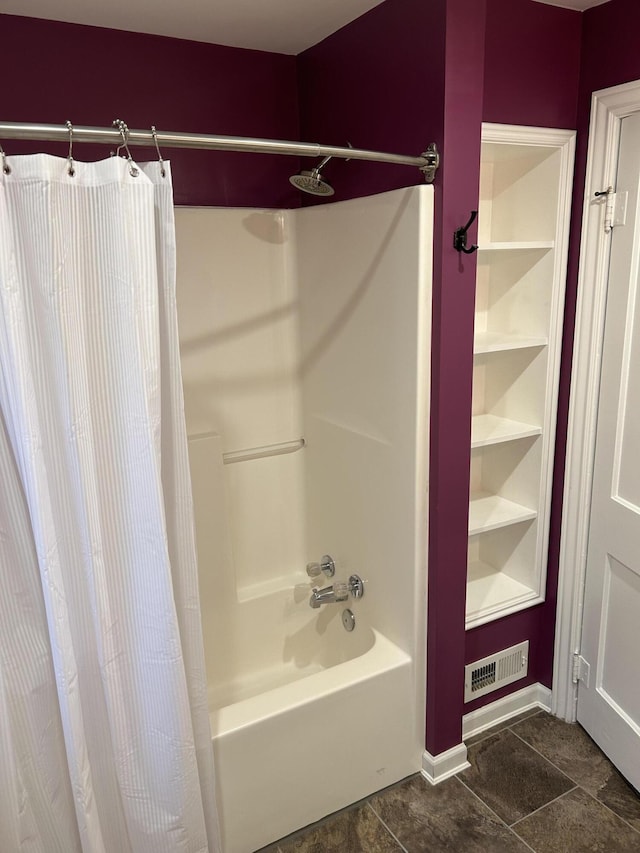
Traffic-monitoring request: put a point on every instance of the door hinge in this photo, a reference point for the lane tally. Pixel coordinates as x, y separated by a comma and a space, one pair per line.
581, 670
615, 210
609, 197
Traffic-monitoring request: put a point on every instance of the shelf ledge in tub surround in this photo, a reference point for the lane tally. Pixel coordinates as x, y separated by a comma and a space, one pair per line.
261, 452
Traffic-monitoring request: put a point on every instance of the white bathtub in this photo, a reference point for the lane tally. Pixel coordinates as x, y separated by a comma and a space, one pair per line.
294, 753
306, 717
282, 340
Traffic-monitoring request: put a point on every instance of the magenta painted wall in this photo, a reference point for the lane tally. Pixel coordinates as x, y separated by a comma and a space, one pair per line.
55, 71
532, 71
451, 375
532, 64
616, 24
376, 83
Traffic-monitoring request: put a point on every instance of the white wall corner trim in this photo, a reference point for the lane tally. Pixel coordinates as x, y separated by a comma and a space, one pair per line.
533, 696
608, 108
437, 768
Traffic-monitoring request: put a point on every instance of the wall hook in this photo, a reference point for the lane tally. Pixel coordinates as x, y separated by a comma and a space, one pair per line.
460, 236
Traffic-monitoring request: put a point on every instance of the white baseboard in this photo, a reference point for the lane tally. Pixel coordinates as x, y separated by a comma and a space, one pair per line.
534, 696
437, 768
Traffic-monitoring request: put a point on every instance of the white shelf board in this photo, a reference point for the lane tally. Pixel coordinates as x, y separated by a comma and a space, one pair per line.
490, 429
499, 150
490, 512
501, 341
516, 246
492, 594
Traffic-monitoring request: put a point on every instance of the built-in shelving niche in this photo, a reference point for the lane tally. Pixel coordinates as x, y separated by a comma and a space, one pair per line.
525, 188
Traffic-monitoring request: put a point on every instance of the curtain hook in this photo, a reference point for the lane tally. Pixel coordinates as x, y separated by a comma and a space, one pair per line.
155, 140
6, 168
124, 133
71, 170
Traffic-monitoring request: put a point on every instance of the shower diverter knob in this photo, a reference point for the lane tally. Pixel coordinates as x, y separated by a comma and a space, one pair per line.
326, 565
356, 586
341, 591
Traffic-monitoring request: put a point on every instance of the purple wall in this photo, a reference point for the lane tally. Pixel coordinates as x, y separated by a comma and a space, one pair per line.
366, 85
532, 70
532, 64
616, 24
451, 375
55, 71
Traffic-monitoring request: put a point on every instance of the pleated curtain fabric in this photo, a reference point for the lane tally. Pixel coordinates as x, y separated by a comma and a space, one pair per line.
104, 732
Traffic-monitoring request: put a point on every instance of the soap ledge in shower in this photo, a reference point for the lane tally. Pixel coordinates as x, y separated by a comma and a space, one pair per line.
262, 589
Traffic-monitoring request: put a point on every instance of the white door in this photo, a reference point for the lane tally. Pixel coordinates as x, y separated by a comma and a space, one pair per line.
609, 699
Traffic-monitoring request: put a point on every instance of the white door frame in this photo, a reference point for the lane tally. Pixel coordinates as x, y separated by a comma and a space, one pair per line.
608, 108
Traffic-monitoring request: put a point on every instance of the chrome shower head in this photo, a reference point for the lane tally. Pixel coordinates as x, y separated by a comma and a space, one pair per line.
312, 181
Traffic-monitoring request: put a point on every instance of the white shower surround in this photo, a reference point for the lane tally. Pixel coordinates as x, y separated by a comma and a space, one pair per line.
312, 323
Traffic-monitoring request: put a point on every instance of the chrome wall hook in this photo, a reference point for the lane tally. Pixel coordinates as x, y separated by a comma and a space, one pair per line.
154, 133
71, 170
124, 133
460, 236
6, 168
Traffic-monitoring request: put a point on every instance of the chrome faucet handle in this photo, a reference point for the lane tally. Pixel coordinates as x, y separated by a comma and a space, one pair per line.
326, 566
356, 586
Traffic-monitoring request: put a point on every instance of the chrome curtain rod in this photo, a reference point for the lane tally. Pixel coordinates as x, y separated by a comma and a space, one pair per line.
427, 162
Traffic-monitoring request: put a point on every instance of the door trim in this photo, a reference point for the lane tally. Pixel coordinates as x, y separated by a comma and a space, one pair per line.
608, 108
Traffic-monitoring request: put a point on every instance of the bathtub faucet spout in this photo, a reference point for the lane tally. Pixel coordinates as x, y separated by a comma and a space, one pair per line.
337, 592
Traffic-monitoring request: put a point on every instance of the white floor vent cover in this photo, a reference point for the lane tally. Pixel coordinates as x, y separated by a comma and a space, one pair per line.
493, 672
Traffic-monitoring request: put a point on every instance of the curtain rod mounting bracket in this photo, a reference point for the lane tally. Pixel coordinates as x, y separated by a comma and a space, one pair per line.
432, 156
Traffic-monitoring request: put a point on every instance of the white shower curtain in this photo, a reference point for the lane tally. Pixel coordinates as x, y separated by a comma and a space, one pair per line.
104, 731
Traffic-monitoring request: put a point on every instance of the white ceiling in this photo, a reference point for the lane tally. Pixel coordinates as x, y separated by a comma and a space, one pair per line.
281, 26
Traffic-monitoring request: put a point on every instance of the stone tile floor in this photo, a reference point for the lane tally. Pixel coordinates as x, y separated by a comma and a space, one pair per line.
535, 783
